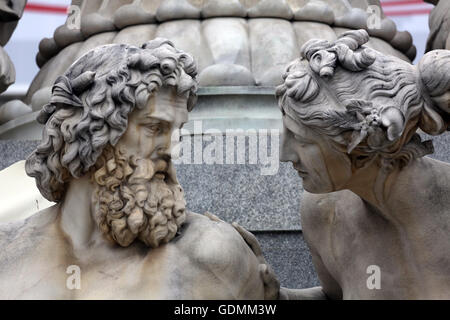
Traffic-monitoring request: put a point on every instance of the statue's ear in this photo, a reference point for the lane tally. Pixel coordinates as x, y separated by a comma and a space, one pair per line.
394, 121
359, 161
443, 101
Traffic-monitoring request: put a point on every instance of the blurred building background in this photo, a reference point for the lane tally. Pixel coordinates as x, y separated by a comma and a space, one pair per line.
42, 17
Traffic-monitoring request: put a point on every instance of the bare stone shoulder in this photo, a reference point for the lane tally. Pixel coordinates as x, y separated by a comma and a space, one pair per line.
28, 230
215, 243
215, 251
19, 240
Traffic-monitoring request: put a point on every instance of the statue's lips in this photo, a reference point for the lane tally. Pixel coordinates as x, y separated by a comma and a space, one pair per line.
300, 171
164, 170
161, 167
161, 175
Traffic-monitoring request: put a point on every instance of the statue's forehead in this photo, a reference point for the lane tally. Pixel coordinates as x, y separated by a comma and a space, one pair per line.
165, 105
298, 128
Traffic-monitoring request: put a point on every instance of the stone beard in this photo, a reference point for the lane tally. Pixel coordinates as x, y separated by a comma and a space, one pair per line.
136, 198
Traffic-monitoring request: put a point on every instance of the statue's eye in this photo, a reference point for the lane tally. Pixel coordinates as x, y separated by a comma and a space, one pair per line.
299, 138
153, 128
301, 141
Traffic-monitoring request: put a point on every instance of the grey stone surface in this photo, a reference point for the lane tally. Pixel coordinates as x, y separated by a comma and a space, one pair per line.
441, 146
239, 193
13, 151
230, 75
289, 256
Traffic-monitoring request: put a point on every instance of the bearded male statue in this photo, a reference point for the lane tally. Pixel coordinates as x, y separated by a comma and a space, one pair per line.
120, 217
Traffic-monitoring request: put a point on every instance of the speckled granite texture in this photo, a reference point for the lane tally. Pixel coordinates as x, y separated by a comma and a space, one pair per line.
13, 151
239, 193
288, 255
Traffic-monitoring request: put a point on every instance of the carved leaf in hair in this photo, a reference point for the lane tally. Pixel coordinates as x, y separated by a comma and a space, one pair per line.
359, 106
344, 120
368, 121
357, 137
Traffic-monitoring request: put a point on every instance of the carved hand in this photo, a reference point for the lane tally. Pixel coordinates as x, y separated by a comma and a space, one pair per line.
271, 283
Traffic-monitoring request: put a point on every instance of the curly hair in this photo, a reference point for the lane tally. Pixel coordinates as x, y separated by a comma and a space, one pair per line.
366, 102
90, 104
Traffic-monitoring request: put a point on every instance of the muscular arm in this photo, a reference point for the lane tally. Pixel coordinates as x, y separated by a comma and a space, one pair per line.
222, 262
315, 211
272, 289
329, 288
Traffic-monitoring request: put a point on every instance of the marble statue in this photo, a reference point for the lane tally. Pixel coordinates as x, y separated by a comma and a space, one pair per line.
376, 211
10, 13
120, 217
439, 21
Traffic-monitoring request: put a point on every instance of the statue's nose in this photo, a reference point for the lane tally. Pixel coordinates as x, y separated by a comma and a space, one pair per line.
286, 152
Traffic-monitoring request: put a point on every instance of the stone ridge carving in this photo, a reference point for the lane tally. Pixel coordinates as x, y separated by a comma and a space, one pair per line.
231, 50
350, 118
170, 9
119, 14
439, 21
271, 9
315, 11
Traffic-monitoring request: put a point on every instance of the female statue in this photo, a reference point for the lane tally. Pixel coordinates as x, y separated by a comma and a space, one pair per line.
376, 214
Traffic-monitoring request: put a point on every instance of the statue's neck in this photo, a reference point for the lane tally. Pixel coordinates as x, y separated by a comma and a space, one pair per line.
399, 195
87, 242
76, 214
